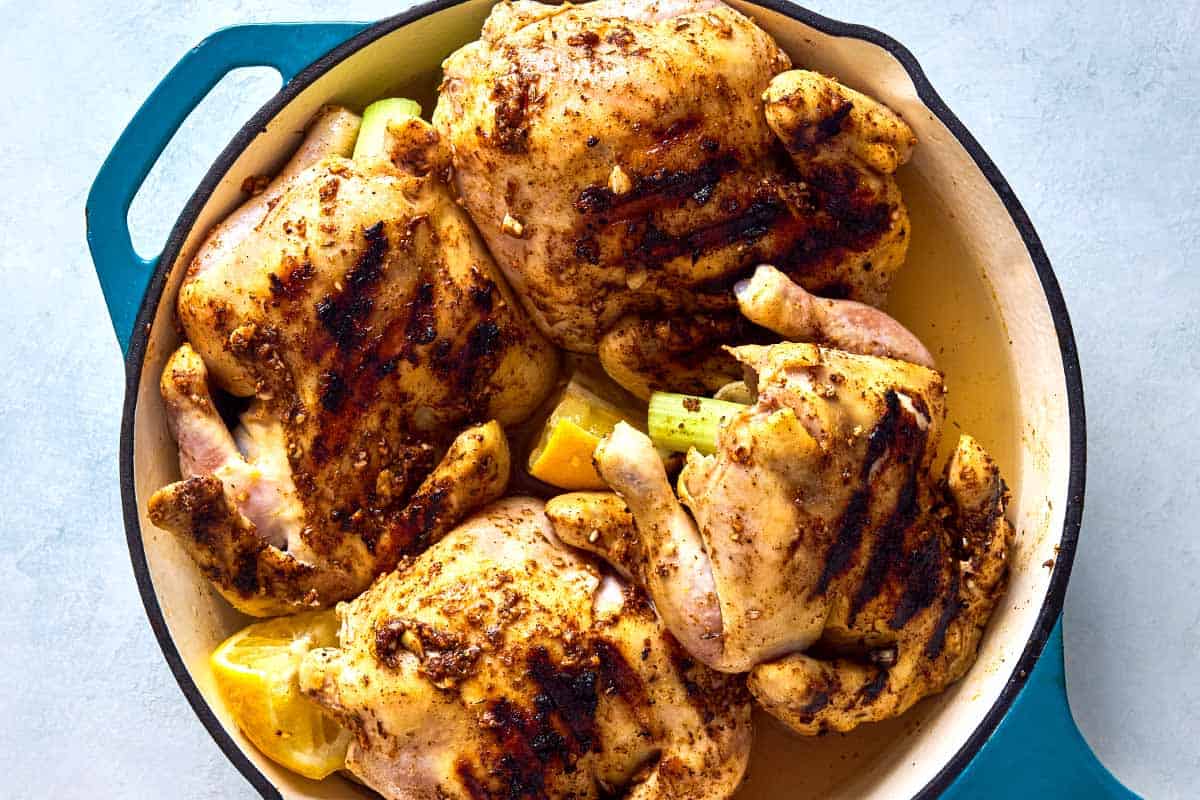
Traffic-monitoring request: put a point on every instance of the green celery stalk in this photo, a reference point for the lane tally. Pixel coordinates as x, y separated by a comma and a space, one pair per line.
678, 421
371, 144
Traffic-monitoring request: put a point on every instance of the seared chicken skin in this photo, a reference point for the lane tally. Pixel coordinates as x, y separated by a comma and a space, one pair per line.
498, 664
629, 161
820, 553
367, 322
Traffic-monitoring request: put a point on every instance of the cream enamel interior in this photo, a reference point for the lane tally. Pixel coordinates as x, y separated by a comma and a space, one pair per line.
970, 290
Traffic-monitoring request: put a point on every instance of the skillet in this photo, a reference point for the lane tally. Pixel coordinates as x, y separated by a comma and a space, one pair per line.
978, 288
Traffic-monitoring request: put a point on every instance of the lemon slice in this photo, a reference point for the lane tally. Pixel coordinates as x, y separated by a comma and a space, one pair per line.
563, 455
255, 671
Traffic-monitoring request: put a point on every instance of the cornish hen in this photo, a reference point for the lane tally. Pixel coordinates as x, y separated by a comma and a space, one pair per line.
629, 161
499, 664
359, 311
820, 552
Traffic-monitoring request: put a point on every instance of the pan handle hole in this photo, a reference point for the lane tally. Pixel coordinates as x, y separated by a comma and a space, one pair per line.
196, 144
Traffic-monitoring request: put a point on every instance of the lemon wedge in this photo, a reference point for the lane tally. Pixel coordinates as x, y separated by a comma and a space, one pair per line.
255, 671
563, 455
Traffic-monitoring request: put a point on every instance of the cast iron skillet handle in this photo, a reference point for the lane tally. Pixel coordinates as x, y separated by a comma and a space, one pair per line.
124, 275
1037, 751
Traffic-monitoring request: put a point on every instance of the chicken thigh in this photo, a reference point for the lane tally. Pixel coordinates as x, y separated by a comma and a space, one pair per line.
820, 552
363, 316
499, 664
628, 162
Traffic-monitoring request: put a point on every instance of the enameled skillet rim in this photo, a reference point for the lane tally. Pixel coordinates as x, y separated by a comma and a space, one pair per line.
1051, 606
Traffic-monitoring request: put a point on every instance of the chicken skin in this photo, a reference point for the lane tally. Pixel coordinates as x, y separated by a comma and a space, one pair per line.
362, 315
628, 162
500, 664
769, 299
820, 554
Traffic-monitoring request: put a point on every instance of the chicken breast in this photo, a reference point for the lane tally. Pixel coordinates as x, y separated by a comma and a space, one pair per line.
498, 664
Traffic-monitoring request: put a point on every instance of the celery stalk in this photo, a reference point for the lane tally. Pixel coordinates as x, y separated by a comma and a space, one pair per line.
372, 133
679, 421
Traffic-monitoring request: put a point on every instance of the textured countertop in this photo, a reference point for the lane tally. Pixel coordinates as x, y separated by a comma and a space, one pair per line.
1087, 107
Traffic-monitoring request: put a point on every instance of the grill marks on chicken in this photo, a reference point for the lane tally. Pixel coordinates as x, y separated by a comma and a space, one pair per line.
370, 325
821, 554
629, 165
498, 665
845, 148
623, 219
919, 639
899, 437
821, 220
652, 154
560, 727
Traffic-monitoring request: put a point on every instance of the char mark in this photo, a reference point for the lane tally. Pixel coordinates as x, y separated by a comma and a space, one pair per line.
652, 246
532, 744
814, 133
873, 689
419, 521
483, 295
618, 678
922, 572
836, 215
470, 368
905, 443
587, 249
570, 695
516, 769
515, 95
819, 702
294, 283
332, 391
654, 188
951, 607
850, 534
344, 315
484, 340
245, 572
857, 515
421, 328
466, 773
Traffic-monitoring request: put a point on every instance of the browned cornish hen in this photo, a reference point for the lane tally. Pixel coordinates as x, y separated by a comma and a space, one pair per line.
499, 664
367, 322
820, 553
628, 161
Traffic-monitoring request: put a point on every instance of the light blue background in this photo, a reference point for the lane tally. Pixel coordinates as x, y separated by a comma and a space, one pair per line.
1090, 110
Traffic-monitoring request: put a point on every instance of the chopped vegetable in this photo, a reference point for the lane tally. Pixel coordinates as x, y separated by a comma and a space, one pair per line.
256, 675
372, 134
678, 421
563, 455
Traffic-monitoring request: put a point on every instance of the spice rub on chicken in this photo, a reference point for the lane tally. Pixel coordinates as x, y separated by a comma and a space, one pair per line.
815, 549
500, 664
357, 309
628, 162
